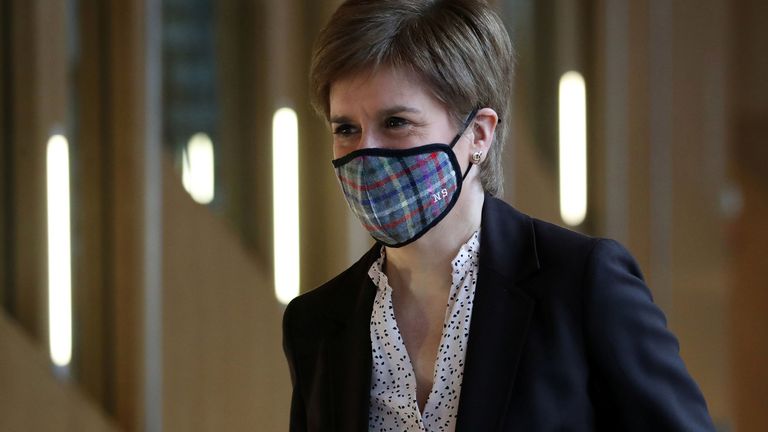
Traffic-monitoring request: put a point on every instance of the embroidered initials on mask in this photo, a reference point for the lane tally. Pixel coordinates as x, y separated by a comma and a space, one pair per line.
440, 195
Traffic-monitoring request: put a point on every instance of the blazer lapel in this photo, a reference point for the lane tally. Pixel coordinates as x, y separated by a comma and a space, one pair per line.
348, 359
500, 317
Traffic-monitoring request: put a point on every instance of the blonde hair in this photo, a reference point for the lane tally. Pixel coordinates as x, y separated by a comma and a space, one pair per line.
459, 48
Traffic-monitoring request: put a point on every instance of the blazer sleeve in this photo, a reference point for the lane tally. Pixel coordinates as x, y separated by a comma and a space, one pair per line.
298, 420
639, 380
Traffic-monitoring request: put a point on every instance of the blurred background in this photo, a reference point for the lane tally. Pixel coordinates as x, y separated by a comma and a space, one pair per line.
165, 188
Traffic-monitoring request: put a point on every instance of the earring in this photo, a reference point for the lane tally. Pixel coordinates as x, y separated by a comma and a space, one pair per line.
476, 157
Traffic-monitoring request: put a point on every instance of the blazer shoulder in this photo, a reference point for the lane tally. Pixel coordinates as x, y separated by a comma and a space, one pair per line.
508, 221
548, 233
548, 242
583, 254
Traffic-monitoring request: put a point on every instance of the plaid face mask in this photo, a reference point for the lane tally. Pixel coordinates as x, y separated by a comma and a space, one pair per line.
399, 194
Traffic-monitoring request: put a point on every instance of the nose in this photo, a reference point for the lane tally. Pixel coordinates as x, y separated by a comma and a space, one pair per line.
368, 139
364, 139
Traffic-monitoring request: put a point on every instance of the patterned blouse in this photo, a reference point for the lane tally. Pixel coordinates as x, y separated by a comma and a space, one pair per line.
393, 405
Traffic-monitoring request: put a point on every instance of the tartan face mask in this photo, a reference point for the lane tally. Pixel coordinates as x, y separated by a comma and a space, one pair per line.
399, 194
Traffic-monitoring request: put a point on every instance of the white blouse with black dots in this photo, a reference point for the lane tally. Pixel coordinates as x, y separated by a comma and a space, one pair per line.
393, 405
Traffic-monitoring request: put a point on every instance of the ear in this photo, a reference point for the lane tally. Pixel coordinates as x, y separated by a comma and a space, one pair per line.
483, 128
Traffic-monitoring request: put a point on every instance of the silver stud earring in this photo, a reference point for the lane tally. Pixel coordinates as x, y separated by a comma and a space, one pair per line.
476, 157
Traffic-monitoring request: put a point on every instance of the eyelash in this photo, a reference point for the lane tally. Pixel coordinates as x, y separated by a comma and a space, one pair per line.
343, 129
401, 122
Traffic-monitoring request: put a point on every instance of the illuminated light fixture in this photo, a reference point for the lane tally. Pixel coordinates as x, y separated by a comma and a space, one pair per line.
197, 174
59, 252
573, 148
285, 190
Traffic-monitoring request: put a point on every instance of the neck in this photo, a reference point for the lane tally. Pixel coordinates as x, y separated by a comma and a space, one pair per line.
424, 266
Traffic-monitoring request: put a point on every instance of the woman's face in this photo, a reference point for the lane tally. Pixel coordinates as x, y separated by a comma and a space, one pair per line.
389, 108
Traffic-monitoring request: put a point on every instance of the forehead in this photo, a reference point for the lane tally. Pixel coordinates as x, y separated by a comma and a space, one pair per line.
371, 91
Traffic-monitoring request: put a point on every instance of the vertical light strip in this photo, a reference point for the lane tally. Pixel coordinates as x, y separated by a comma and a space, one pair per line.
198, 168
59, 252
285, 192
573, 148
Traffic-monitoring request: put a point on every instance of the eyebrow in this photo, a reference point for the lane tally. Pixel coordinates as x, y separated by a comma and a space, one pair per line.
340, 119
386, 112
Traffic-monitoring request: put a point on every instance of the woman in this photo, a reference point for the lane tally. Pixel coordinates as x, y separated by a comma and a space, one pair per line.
466, 315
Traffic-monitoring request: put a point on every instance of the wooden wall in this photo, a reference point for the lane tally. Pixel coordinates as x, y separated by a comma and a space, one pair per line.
223, 365
748, 231
32, 399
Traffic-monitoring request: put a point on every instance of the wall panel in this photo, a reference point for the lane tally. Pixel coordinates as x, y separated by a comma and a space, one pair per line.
32, 399
223, 367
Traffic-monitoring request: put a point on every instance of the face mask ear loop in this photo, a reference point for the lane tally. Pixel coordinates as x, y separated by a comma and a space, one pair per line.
464, 177
464, 127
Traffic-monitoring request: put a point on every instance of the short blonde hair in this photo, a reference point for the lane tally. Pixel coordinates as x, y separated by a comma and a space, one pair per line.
459, 48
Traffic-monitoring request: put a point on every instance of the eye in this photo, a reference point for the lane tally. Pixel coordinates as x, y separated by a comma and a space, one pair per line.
344, 129
395, 122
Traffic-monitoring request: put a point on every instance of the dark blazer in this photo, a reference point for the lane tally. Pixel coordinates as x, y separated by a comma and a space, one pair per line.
564, 337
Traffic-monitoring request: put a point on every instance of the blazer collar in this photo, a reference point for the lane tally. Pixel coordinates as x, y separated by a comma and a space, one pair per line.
500, 316
507, 241
347, 353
